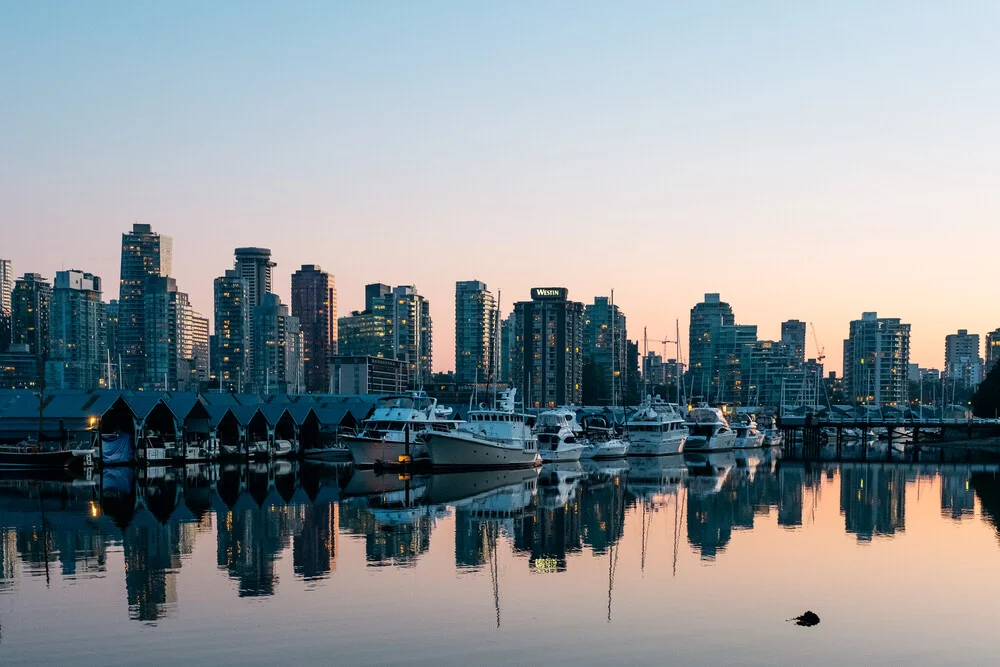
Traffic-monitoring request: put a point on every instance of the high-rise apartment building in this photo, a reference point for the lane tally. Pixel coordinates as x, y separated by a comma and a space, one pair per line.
962, 364
707, 318
232, 331
278, 348
604, 345
145, 254
793, 335
992, 349
395, 325
6, 284
254, 266
78, 348
6, 287
507, 348
548, 340
314, 302
876, 360
176, 338
475, 315
31, 302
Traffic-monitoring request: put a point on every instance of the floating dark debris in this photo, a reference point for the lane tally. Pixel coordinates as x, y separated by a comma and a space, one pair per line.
807, 619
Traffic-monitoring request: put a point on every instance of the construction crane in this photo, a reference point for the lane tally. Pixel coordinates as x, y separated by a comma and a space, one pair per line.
820, 356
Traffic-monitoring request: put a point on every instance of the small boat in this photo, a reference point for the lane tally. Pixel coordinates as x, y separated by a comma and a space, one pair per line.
656, 428
708, 429
747, 434
557, 436
600, 441
27, 455
282, 448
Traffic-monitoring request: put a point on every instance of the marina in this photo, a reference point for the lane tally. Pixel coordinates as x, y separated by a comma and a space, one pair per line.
199, 557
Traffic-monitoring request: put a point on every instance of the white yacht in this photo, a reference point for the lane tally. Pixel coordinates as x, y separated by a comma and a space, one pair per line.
747, 434
708, 429
656, 428
395, 429
492, 438
600, 440
557, 432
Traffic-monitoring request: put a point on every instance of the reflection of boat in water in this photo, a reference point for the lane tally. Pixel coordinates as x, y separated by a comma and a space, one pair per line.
604, 468
366, 482
462, 488
651, 476
557, 483
707, 471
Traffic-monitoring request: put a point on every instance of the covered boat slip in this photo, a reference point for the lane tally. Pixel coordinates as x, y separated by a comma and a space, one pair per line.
156, 428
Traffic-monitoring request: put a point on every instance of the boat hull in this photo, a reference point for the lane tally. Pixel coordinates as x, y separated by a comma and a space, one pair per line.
369, 451
38, 460
561, 454
657, 447
612, 449
718, 442
750, 442
460, 450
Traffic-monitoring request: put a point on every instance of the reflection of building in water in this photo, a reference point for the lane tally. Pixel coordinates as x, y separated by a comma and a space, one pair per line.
957, 496
152, 558
710, 518
549, 534
602, 511
314, 547
250, 539
872, 499
8, 558
392, 541
987, 487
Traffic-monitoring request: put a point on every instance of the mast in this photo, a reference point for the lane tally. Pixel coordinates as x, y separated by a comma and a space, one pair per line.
614, 354
677, 369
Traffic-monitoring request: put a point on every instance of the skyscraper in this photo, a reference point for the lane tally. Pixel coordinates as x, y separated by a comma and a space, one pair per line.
876, 360
707, 318
6, 287
992, 349
232, 331
31, 301
176, 338
314, 302
962, 364
144, 254
793, 334
78, 354
395, 325
254, 265
278, 348
548, 340
604, 345
6, 284
475, 313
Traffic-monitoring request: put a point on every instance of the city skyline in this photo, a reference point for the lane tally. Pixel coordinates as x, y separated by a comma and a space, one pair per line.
830, 162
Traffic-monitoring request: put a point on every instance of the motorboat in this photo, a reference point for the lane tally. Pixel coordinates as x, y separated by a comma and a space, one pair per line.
599, 439
747, 434
708, 429
497, 437
395, 429
556, 431
656, 428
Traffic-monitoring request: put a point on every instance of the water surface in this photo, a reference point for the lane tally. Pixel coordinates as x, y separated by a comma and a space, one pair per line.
696, 561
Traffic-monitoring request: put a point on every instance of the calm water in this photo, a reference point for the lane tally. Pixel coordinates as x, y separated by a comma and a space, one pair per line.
698, 561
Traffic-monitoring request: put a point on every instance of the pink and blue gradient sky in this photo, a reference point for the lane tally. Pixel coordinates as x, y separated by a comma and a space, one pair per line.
806, 160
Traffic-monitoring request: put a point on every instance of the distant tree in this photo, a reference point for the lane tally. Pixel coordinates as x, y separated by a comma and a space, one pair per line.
986, 400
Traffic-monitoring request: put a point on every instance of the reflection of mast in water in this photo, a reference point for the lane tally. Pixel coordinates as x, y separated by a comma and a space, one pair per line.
612, 566
490, 537
677, 524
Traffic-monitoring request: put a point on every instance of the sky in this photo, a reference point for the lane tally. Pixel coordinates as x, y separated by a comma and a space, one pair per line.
805, 160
